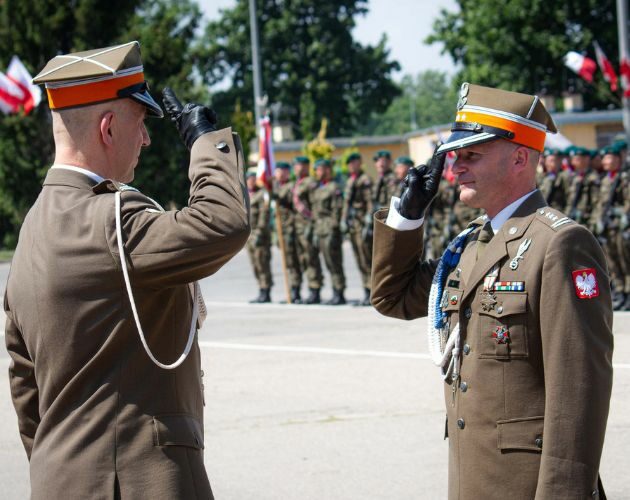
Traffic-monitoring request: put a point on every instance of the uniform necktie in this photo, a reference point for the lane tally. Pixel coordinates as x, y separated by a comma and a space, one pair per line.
485, 235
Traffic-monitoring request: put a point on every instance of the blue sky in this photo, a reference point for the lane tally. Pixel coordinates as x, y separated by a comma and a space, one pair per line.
406, 23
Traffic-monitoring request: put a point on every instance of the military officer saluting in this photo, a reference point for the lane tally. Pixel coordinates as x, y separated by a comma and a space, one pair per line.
356, 206
102, 304
519, 310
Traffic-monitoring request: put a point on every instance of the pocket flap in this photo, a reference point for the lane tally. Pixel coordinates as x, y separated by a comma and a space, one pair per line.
508, 303
520, 434
177, 430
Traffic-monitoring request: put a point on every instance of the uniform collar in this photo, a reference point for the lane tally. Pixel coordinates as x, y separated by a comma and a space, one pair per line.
498, 220
95, 177
71, 178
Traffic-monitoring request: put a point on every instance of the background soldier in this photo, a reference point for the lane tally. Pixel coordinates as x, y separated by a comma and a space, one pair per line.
387, 185
583, 187
357, 204
283, 195
304, 227
610, 222
554, 184
259, 242
401, 167
327, 206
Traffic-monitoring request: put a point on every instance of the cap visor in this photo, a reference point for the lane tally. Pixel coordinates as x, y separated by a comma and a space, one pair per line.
463, 139
145, 99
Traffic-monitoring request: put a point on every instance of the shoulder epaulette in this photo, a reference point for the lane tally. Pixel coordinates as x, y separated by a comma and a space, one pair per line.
110, 186
553, 218
479, 221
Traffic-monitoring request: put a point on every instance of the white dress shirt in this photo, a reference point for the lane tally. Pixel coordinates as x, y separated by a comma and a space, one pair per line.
95, 177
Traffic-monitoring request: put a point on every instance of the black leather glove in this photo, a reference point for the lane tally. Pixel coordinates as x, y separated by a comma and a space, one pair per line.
421, 186
191, 120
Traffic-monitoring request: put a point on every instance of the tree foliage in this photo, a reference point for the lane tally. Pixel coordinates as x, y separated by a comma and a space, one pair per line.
310, 63
427, 99
520, 44
37, 30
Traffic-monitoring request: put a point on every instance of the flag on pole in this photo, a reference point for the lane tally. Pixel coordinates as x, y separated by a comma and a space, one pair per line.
606, 66
17, 90
624, 69
582, 65
266, 164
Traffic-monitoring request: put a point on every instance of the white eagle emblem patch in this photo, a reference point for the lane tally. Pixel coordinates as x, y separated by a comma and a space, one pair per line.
585, 283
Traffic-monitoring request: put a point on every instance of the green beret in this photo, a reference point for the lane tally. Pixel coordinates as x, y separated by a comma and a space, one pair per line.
301, 159
579, 151
609, 150
323, 162
568, 151
620, 145
283, 165
383, 153
551, 151
353, 157
251, 172
594, 152
405, 160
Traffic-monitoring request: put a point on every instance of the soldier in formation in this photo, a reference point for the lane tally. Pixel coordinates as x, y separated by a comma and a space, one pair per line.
259, 242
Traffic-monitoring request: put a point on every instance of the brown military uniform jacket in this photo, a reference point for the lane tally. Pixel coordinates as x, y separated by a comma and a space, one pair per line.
526, 418
95, 414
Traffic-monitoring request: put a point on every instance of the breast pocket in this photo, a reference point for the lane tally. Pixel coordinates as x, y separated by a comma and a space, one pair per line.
503, 326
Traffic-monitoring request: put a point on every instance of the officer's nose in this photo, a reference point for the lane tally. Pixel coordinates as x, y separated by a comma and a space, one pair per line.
146, 140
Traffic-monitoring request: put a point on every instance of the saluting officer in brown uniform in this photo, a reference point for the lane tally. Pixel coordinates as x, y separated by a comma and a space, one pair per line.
519, 310
99, 413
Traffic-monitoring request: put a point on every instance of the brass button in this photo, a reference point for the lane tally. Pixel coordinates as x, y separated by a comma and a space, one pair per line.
466, 349
500, 309
461, 423
468, 312
463, 386
538, 442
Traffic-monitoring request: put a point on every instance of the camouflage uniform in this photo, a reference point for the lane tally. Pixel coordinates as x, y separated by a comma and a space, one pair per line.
357, 204
304, 232
283, 194
439, 224
327, 207
582, 196
386, 187
259, 242
554, 188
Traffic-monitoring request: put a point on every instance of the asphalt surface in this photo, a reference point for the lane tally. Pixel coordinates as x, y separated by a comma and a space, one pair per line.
318, 402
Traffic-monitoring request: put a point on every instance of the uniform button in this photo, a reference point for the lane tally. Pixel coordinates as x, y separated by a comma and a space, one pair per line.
595, 493
468, 312
460, 423
538, 442
463, 386
500, 309
466, 349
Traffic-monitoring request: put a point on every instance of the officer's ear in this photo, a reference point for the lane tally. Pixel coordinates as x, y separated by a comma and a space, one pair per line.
106, 125
521, 158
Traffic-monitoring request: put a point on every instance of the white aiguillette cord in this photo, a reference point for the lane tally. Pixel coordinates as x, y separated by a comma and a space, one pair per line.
123, 262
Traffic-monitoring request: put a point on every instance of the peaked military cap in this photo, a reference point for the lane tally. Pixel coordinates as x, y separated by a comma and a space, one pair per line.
301, 159
283, 165
98, 75
383, 153
353, 157
485, 114
323, 162
405, 160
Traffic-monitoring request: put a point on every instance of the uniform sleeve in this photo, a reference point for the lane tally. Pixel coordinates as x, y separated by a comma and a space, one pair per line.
181, 246
577, 347
366, 193
24, 391
400, 280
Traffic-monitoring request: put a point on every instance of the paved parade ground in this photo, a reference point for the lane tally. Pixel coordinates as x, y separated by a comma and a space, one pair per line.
319, 402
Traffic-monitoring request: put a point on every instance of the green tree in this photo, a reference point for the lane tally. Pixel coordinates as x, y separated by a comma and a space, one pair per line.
310, 63
427, 99
519, 45
37, 30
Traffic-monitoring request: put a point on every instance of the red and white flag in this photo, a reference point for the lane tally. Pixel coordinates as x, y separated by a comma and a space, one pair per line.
582, 65
606, 66
266, 164
17, 90
624, 69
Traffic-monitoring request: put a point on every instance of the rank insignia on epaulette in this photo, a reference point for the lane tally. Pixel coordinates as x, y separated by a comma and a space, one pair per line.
509, 286
501, 334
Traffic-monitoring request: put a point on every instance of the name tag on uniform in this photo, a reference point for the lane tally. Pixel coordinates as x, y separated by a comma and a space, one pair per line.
509, 286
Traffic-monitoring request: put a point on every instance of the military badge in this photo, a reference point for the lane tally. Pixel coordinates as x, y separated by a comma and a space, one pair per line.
585, 283
509, 286
488, 301
501, 334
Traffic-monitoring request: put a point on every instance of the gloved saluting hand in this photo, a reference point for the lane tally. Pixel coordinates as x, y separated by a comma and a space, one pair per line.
191, 120
421, 186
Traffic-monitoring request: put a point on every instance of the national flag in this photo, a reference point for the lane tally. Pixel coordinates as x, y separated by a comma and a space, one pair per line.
266, 164
22, 78
624, 70
582, 65
606, 66
11, 95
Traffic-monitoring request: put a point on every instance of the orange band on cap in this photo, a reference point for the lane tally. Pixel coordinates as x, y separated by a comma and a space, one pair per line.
524, 135
77, 95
